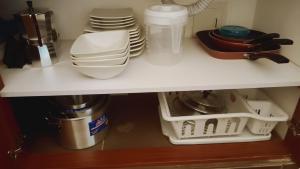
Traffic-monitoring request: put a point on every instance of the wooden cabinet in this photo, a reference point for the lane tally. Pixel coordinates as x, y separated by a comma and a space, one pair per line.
135, 141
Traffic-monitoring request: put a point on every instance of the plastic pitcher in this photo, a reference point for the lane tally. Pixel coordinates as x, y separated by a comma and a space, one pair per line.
164, 33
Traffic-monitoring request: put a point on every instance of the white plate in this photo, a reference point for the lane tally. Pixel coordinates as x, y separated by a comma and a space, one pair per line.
111, 20
112, 24
134, 35
101, 57
92, 30
135, 40
102, 62
114, 13
100, 43
132, 30
113, 27
137, 53
135, 49
102, 72
135, 45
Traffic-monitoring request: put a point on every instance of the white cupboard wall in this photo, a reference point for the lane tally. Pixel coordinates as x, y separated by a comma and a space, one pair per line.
72, 15
282, 16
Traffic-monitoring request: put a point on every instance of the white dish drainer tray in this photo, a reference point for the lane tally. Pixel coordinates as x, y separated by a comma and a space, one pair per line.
257, 102
245, 136
217, 128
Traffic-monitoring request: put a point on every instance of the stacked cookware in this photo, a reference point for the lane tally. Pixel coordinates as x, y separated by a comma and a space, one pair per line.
80, 120
236, 42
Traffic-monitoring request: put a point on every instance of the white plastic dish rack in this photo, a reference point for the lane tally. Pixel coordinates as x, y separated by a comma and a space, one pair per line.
257, 102
218, 128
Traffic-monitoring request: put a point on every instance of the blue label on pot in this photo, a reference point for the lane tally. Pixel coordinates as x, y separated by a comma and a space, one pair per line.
97, 125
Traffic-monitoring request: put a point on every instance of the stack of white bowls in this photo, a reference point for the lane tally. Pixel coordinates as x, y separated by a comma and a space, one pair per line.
101, 55
118, 19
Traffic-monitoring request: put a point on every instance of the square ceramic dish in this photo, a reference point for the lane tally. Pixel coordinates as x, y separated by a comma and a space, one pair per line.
111, 20
101, 57
112, 26
112, 23
113, 13
100, 43
102, 72
102, 62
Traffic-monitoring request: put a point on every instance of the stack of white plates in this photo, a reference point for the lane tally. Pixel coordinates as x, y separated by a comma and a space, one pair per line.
101, 55
118, 19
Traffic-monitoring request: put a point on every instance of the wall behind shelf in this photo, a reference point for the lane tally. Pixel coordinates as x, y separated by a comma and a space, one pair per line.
282, 16
72, 15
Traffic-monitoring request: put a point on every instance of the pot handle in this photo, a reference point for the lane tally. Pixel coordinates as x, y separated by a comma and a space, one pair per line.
264, 38
283, 41
272, 56
271, 43
50, 120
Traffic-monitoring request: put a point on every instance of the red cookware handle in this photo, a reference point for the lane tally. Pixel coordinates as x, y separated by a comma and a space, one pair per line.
272, 56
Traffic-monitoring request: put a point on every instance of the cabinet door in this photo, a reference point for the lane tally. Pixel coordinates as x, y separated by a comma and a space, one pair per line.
1, 83
293, 137
9, 135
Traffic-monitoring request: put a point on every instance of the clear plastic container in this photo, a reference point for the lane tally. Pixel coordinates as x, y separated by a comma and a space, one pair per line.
164, 33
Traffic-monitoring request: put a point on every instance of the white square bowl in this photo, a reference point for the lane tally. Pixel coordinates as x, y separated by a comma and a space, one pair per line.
100, 43
102, 57
102, 72
102, 62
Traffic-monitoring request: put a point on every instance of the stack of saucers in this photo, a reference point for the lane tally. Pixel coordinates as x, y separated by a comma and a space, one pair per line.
118, 19
101, 55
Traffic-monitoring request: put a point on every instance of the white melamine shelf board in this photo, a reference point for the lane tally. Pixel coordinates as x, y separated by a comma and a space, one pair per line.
196, 71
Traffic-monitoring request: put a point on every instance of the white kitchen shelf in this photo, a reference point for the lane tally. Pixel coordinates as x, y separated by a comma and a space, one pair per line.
197, 71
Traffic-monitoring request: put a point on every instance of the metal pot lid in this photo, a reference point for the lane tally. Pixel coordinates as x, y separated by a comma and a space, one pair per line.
203, 101
100, 104
77, 102
177, 109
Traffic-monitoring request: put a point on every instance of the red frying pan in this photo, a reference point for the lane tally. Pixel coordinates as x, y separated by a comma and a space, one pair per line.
267, 52
248, 45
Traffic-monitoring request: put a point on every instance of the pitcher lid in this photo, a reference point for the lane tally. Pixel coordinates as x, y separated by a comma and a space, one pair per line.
166, 14
166, 10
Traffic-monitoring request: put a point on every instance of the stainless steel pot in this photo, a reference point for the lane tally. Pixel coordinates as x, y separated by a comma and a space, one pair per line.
85, 131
